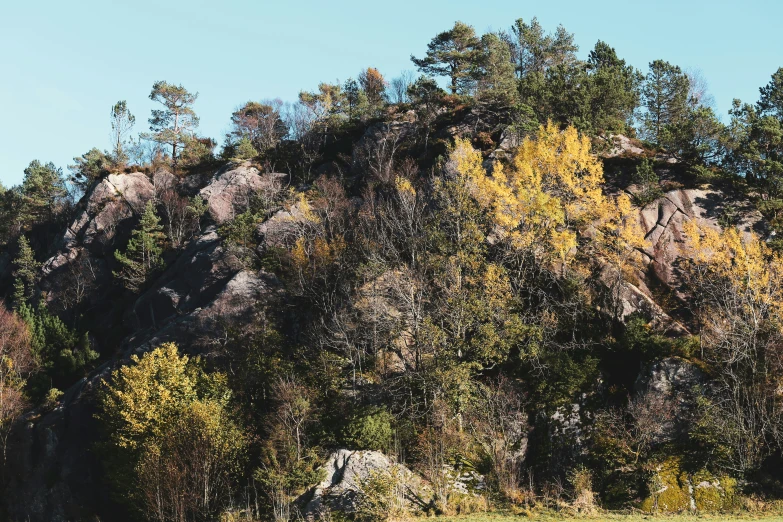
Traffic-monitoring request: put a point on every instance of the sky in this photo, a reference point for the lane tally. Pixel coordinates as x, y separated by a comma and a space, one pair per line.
65, 63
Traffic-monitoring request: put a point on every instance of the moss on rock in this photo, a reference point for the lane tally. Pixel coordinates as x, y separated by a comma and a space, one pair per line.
668, 489
672, 490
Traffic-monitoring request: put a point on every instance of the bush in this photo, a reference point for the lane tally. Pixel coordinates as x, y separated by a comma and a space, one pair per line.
370, 429
244, 150
381, 497
647, 181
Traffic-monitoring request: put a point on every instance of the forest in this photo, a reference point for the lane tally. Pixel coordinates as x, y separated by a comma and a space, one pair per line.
514, 281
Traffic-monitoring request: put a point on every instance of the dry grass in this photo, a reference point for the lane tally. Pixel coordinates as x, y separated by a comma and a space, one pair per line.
552, 517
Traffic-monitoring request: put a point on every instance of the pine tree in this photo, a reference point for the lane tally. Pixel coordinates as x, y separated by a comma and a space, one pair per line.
495, 75
665, 96
451, 53
26, 273
122, 122
142, 257
351, 90
43, 189
174, 124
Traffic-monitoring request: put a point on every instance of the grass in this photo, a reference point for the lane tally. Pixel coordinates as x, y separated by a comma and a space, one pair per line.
546, 517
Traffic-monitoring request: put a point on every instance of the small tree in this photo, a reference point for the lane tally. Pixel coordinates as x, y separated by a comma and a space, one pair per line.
261, 123
352, 98
26, 273
176, 122
170, 429
182, 216
665, 98
88, 167
374, 86
647, 181
16, 364
122, 121
43, 191
142, 256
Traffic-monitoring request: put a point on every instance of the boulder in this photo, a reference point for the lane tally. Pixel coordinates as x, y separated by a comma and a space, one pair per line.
621, 145
116, 198
231, 190
674, 490
346, 472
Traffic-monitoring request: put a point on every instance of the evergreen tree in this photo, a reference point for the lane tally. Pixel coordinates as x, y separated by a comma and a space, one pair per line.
142, 256
43, 191
771, 100
26, 273
451, 53
176, 122
614, 89
88, 167
534, 52
665, 98
495, 74
756, 144
352, 94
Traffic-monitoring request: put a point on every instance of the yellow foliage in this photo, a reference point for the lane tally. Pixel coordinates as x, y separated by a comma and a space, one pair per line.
560, 164
306, 210
550, 197
141, 395
749, 264
404, 186
144, 397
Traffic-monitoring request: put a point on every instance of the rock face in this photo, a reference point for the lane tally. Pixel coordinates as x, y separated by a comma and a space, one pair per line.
231, 190
117, 197
666, 388
347, 470
103, 219
662, 222
621, 146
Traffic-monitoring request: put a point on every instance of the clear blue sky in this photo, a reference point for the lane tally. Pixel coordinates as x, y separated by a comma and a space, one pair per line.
65, 63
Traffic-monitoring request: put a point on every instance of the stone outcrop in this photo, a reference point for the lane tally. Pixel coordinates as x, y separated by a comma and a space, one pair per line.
230, 191
345, 473
662, 222
669, 385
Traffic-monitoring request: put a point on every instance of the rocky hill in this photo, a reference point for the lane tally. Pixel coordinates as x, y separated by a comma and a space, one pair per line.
55, 471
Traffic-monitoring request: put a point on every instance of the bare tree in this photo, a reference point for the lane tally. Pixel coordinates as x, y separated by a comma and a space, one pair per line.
122, 121
698, 89
293, 412
499, 424
398, 87
378, 152
80, 277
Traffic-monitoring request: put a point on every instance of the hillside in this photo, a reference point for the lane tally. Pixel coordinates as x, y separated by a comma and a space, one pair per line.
430, 303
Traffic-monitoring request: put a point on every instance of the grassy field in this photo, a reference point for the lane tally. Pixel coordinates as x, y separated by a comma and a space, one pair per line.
500, 517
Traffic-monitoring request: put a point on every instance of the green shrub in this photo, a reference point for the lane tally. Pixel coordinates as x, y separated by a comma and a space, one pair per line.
647, 181
369, 429
381, 497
